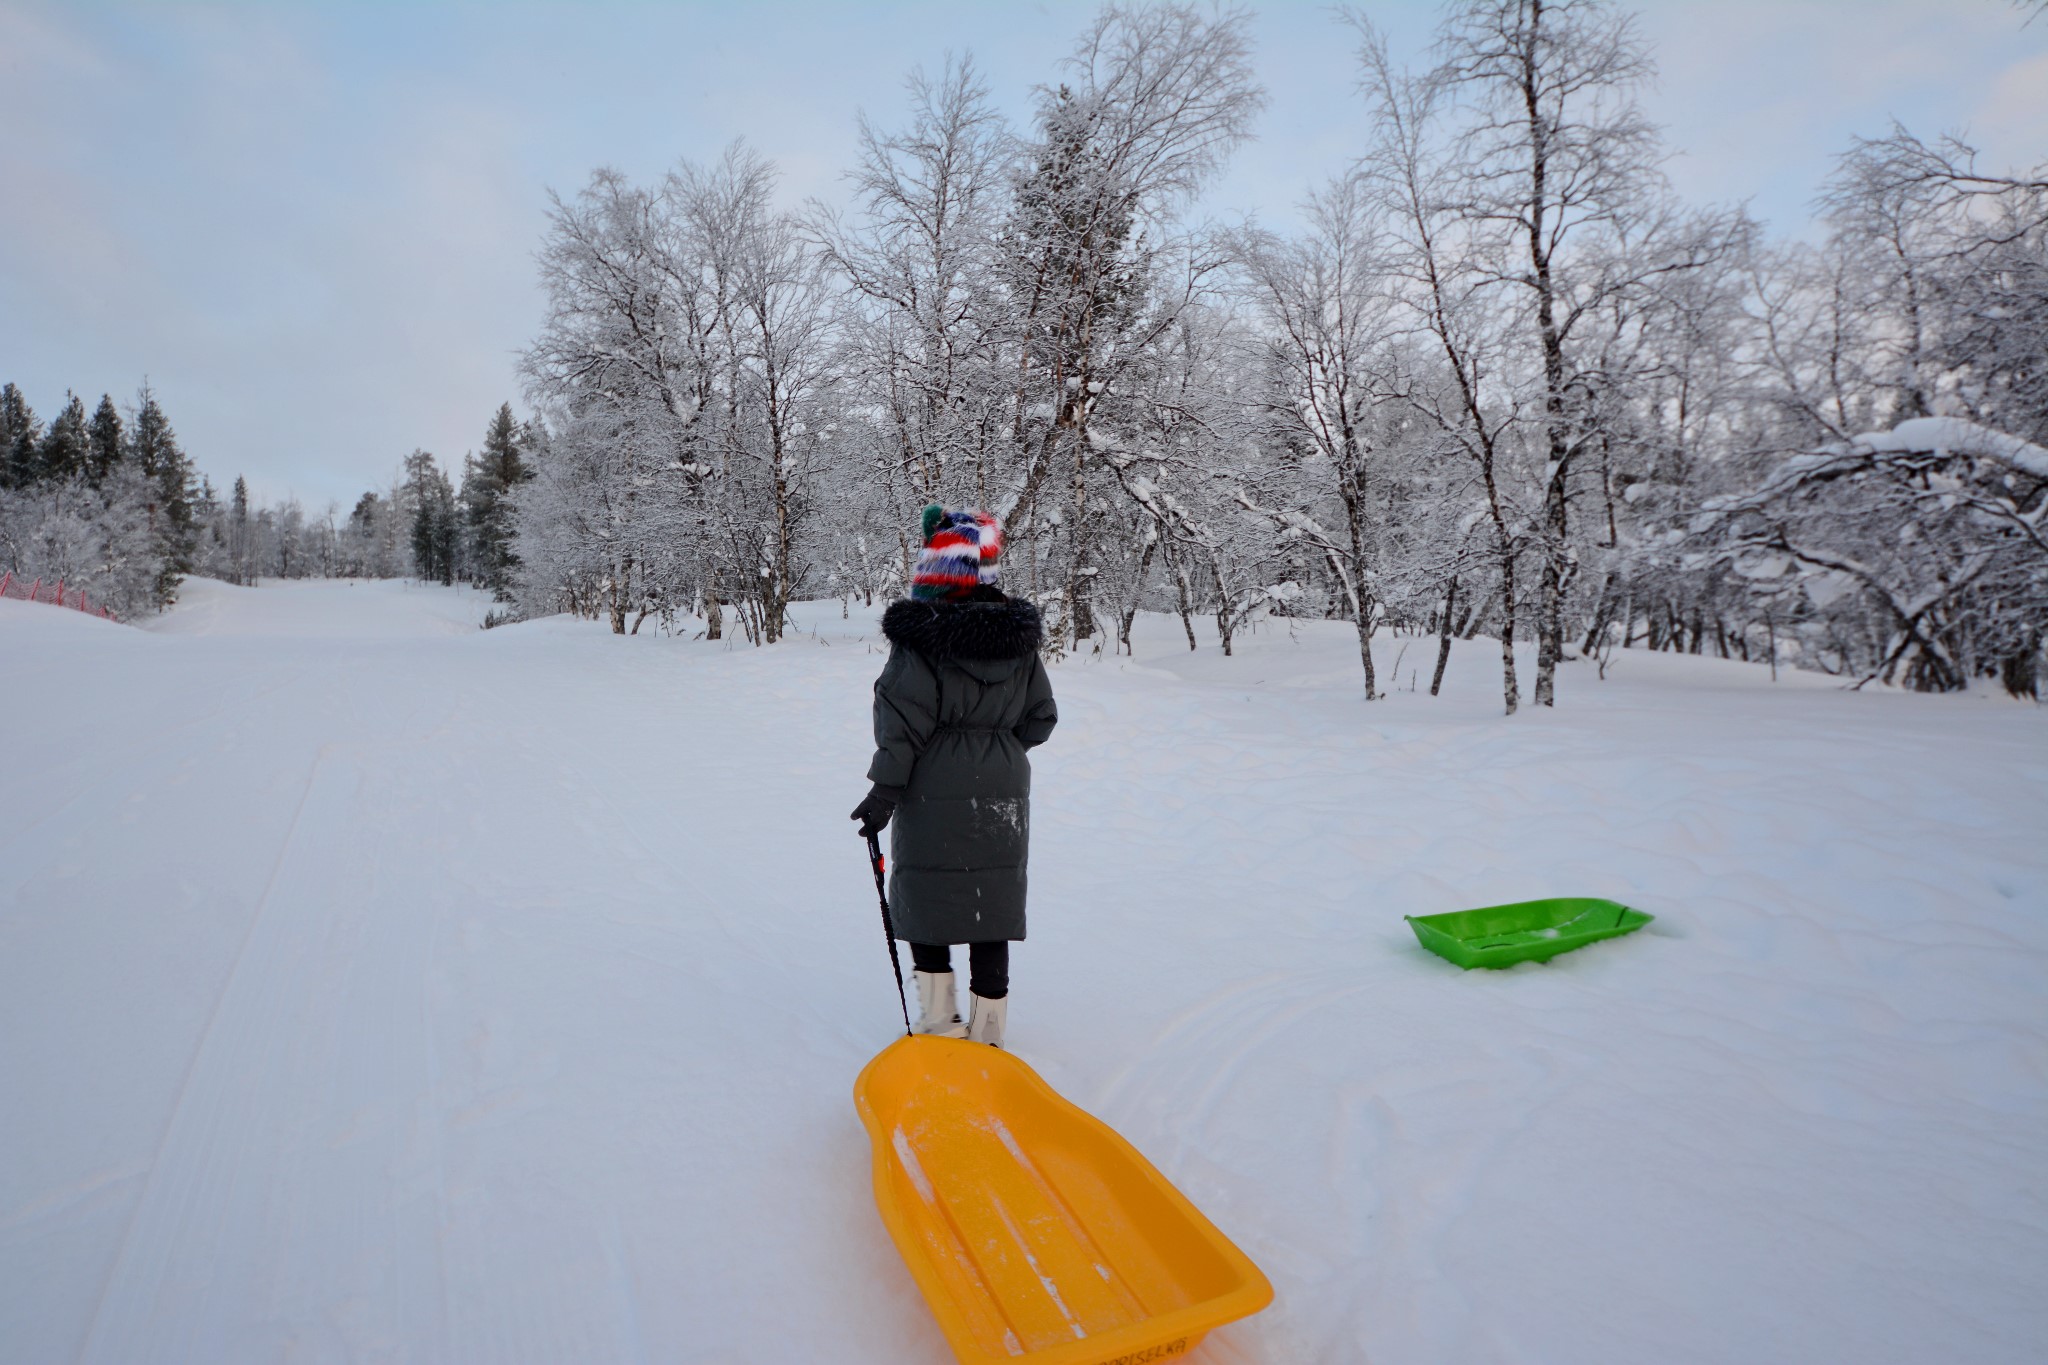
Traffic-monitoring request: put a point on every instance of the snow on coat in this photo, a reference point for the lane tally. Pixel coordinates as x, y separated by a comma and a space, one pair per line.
962, 697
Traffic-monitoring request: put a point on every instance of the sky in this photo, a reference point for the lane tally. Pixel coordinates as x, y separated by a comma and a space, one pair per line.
311, 226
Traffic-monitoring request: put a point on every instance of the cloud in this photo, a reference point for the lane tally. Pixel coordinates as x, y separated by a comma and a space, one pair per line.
308, 276
2010, 124
312, 226
1762, 95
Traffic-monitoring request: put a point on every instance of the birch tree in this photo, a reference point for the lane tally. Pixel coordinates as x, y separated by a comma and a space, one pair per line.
1097, 266
1327, 336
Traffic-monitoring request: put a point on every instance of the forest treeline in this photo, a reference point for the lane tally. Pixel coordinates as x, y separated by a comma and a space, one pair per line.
111, 504
1498, 382
104, 503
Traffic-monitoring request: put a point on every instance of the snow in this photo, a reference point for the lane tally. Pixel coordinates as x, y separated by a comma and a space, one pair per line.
1961, 436
376, 987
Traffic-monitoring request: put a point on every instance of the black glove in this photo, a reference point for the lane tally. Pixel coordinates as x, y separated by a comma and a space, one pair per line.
875, 809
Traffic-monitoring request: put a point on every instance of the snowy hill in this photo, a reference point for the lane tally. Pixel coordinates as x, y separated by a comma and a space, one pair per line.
375, 987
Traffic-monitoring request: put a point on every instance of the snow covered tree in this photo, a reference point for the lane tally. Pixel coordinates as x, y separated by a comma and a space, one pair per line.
359, 536
1938, 523
72, 509
1499, 381
486, 479
154, 452
568, 557
106, 442
435, 531
65, 448
1904, 498
1558, 180
1536, 230
927, 327
1098, 267
615, 519
241, 544
93, 540
21, 434
688, 367
1327, 336
1441, 273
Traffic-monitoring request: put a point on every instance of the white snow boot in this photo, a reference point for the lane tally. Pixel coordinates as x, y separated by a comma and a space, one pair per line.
985, 1019
938, 1008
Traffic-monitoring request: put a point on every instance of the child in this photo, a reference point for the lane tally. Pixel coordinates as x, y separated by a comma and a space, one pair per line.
962, 697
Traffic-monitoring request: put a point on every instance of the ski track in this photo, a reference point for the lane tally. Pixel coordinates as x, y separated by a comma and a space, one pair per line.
379, 989
140, 1261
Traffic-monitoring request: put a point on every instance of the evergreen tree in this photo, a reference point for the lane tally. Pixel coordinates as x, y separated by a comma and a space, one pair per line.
64, 448
239, 539
359, 557
434, 525
209, 532
21, 432
153, 448
447, 536
106, 442
486, 479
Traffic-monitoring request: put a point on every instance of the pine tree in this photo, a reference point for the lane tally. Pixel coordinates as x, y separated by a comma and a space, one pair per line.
486, 479
106, 442
238, 533
209, 532
447, 536
64, 448
153, 448
21, 432
359, 557
434, 527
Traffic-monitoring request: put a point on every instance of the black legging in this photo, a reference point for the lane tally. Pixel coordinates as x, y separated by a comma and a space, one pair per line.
988, 965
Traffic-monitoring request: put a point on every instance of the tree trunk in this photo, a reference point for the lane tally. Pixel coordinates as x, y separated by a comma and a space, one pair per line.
618, 602
1511, 689
1080, 612
1550, 608
775, 598
1443, 641
1550, 604
1603, 615
2019, 672
1226, 623
1365, 629
1123, 633
1180, 585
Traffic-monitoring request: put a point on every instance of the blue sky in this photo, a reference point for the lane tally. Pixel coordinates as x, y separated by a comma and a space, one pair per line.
312, 225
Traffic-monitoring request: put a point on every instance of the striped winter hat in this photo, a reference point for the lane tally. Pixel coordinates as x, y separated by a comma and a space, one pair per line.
960, 550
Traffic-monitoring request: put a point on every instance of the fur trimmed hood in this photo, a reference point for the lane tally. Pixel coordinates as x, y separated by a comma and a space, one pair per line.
978, 629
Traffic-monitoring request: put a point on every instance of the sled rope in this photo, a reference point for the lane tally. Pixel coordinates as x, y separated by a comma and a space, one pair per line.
888, 931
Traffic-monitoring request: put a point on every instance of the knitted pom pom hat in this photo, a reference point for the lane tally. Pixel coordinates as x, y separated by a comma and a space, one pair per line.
960, 551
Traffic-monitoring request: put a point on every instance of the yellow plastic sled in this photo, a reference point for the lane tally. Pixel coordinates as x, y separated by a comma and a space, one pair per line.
1036, 1232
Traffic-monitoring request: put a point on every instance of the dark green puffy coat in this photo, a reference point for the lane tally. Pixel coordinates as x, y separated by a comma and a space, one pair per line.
962, 697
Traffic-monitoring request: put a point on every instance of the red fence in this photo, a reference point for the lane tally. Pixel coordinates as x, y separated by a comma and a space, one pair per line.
57, 596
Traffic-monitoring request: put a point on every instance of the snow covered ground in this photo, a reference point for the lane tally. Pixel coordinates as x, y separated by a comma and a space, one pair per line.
377, 988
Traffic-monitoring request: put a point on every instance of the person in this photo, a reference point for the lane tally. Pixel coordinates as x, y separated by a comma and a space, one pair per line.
962, 697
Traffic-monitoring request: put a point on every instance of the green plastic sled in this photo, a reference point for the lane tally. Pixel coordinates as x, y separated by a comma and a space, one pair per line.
1527, 931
